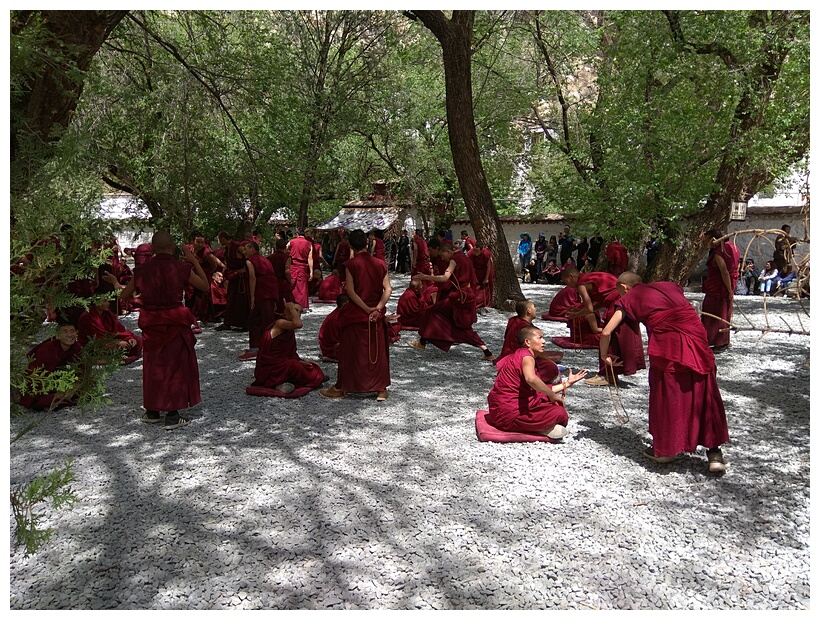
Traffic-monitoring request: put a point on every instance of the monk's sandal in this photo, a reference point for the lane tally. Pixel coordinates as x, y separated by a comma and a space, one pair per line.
175, 422
717, 465
151, 417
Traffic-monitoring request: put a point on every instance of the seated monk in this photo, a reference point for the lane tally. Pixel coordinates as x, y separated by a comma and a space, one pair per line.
545, 362
330, 288
278, 365
329, 331
315, 282
519, 400
53, 354
411, 306
99, 321
566, 300
219, 294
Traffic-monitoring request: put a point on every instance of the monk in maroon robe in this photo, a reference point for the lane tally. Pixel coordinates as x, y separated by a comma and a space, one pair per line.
420, 262
53, 354
484, 274
410, 307
200, 301
545, 362
238, 301
278, 365
219, 294
618, 258
376, 238
99, 321
364, 347
568, 300
301, 267
330, 288
342, 254
450, 320
280, 260
330, 330
264, 293
599, 290
170, 373
520, 401
685, 406
722, 272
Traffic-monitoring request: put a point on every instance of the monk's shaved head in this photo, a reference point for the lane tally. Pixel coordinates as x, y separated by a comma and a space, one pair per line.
162, 242
521, 307
568, 272
527, 333
629, 278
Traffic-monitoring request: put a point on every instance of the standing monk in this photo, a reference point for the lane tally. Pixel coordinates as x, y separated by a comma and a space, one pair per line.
170, 373
364, 345
685, 406
301, 267
264, 294
420, 258
237, 305
599, 290
199, 302
281, 269
484, 274
450, 320
722, 272
342, 254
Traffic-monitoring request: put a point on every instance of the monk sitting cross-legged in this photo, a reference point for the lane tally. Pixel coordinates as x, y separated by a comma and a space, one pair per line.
519, 400
99, 321
545, 361
53, 354
278, 365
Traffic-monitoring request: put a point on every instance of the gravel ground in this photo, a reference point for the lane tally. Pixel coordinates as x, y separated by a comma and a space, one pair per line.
316, 504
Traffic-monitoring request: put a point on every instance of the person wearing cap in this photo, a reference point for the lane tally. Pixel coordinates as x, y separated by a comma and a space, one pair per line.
301, 268
524, 251
54, 354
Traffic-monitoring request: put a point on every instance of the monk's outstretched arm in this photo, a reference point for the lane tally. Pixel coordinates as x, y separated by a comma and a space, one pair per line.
606, 335
442, 278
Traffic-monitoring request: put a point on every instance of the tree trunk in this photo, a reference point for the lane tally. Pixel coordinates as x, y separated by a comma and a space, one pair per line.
455, 36
50, 97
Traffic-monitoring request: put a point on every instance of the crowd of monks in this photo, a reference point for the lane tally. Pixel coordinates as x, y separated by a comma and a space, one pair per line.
267, 295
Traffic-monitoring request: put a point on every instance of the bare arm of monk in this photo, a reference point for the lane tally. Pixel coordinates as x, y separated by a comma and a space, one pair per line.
451, 268
288, 275
606, 336
310, 263
388, 290
251, 281
291, 321
724, 275
587, 310
532, 379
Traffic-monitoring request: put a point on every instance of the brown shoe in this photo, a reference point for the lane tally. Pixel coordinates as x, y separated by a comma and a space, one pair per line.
417, 345
650, 454
382, 396
717, 464
596, 380
332, 392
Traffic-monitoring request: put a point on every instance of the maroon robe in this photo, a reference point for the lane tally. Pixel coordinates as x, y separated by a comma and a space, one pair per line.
422, 264
279, 261
482, 265
341, 257
278, 362
378, 249
50, 356
219, 299
450, 320
364, 353
329, 332
199, 301
579, 330
618, 258
313, 286
94, 323
515, 406
238, 302
546, 369
685, 406
330, 288
142, 254
300, 249
626, 341
170, 373
716, 299
410, 309
264, 310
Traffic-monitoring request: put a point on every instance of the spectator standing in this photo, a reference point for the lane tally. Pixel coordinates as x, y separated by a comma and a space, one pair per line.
567, 244
595, 245
524, 251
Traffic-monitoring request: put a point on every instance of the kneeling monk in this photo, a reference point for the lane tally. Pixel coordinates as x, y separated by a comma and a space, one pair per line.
278, 365
519, 400
329, 331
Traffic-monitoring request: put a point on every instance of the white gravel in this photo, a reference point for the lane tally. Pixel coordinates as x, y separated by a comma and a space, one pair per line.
314, 504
